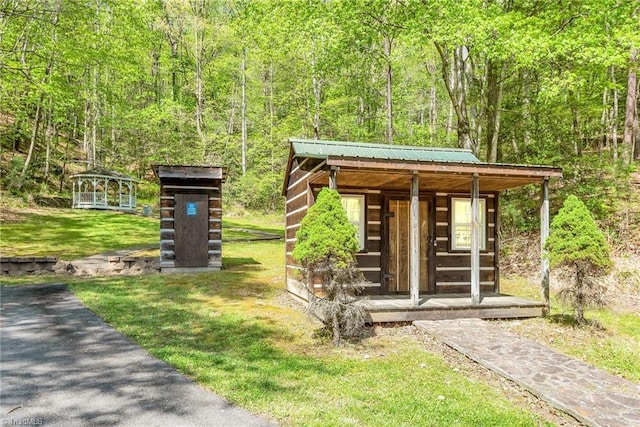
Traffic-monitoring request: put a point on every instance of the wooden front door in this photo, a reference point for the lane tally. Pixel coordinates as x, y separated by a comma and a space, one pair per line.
399, 229
191, 218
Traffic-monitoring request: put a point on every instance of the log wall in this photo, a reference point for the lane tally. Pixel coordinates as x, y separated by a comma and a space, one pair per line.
170, 187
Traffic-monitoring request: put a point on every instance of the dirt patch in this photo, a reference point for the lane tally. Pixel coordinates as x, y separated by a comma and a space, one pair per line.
516, 395
9, 214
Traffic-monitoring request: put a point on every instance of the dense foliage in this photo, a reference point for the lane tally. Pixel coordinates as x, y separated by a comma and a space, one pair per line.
325, 247
125, 84
576, 243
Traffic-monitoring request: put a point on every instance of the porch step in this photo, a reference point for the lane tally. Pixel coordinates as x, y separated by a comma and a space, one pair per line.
438, 307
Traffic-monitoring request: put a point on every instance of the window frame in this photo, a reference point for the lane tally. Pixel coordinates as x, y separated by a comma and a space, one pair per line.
453, 225
361, 227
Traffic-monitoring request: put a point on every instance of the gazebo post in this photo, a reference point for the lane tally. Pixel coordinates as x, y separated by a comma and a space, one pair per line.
119, 193
95, 185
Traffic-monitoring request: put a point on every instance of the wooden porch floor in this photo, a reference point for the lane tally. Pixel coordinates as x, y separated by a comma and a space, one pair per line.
388, 308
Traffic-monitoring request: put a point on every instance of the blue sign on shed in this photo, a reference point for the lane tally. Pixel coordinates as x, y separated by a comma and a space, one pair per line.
192, 209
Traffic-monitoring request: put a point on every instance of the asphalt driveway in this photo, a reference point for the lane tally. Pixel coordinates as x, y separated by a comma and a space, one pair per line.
62, 365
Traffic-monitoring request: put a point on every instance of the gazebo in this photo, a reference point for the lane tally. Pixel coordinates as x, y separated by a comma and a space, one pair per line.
104, 189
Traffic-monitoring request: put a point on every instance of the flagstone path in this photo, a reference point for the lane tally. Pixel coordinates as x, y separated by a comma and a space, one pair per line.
592, 396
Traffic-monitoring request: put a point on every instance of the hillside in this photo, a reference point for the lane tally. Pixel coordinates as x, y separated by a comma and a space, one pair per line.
520, 254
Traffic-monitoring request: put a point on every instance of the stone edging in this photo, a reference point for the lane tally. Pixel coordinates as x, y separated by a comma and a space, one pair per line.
15, 266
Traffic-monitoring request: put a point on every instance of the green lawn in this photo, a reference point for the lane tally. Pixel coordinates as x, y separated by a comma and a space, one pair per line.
71, 234
611, 342
237, 333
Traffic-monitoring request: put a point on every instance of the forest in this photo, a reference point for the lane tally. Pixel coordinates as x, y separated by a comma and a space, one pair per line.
125, 84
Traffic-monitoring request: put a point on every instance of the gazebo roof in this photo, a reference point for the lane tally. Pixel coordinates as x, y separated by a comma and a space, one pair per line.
103, 173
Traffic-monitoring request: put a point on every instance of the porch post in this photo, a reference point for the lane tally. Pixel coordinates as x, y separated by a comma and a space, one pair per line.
414, 242
544, 234
475, 240
333, 178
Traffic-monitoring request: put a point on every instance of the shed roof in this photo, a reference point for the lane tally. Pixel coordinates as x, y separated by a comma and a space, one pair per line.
323, 149
190, 172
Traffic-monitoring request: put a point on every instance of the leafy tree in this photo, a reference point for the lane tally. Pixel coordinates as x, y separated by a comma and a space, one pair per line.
325, 247
576, 244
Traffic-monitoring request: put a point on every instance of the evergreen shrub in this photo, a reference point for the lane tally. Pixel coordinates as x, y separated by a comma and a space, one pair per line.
576, 245
326, 245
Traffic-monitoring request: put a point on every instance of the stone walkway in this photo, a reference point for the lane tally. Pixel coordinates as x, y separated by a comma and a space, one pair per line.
592, 396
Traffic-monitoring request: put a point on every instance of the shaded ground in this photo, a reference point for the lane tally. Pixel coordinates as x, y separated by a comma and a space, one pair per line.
62, 365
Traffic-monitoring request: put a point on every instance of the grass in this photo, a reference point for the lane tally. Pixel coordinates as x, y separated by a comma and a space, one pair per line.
611, 341
235, 332
71, 234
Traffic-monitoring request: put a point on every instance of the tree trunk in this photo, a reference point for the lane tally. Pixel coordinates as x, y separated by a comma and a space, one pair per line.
388, 46
579, 297
243, 110
335, 323
85, 129
433, 101
174, 73
174, 44
630, 138
197, 52
450, 115
526, 108
495, 77
316, 83
34, 137
454, 79
65, 153
575, 130
232, 115
48, 137
613, 116
603, 140
95, 113
155, 74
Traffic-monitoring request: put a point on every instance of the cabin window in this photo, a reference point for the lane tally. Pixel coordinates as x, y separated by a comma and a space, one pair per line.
354, 205
461, 224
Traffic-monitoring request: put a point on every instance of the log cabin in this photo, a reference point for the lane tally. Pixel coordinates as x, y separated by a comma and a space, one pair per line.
427, 220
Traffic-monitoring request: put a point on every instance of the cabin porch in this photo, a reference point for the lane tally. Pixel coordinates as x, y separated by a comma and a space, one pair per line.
391, 308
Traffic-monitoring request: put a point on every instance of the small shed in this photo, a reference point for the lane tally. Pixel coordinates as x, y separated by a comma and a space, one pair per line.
427, 219
190, 217
101, 188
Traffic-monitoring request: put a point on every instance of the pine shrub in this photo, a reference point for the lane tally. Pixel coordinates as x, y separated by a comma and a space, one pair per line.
326, 245
577, 246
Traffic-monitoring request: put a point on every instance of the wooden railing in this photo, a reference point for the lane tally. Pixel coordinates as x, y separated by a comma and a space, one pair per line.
89, 200
100, 200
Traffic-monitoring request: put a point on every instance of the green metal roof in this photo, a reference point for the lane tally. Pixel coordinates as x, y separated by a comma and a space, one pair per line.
324, 149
